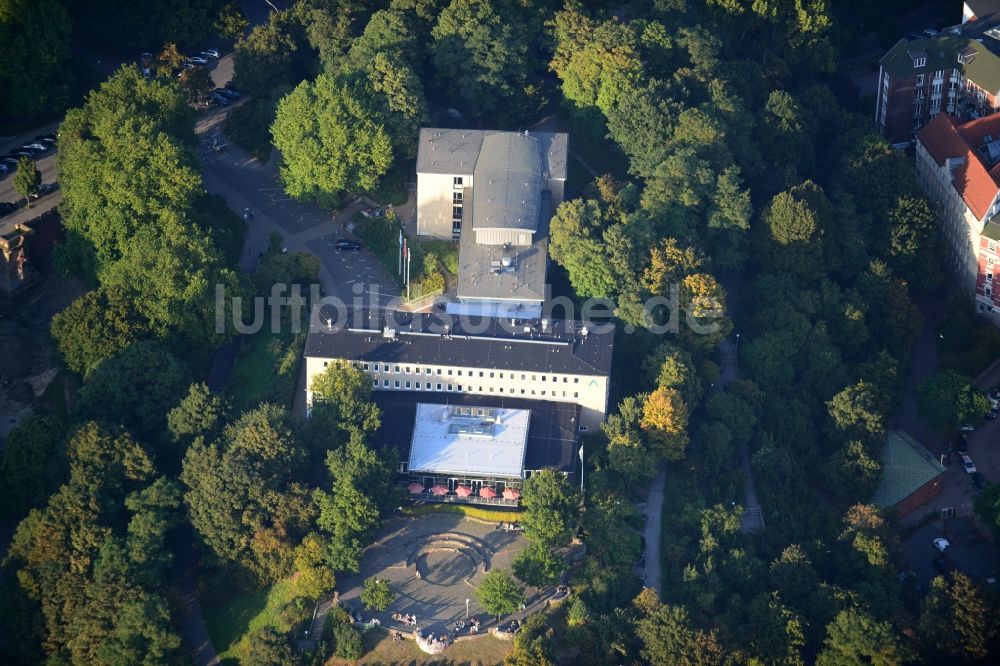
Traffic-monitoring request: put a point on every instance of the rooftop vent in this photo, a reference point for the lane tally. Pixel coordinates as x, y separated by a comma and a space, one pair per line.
389, 333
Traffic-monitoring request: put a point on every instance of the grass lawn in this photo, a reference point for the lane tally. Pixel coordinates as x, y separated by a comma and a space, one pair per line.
231, 622
489, 515
266, 369
380, 649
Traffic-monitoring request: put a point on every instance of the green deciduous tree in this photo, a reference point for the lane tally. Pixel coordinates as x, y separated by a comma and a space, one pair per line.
199, 414
550, 508
34, 47
342, 400
948, 400
869, 534
795, 224
987, 506
481, 57
95, 327
136, 387
855, 639
376, 594
33, 464
269, 647
361, 492
243, 496
498, 593
27, 178
669, 637
332, 141
231, 22
629, 452
538, 566
958, 620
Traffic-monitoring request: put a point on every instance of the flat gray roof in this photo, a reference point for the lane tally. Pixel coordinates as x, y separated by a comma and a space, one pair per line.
455, 151
481, 270
469, 440
507, 182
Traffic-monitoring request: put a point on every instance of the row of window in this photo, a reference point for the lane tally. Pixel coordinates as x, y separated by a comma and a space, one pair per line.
431, 386
406, 369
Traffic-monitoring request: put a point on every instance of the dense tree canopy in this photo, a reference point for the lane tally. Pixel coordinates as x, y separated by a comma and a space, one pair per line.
332, 140
34, 46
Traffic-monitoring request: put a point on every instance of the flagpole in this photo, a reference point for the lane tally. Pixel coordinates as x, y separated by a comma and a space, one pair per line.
581, 472
400, 269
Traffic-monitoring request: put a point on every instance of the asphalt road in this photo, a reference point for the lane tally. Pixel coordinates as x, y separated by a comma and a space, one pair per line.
46, 163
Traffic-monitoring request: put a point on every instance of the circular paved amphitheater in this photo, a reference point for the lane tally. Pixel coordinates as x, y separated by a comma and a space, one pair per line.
433, 564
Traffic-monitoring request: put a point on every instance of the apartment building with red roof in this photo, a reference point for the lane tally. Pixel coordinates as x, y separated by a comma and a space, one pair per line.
958, 166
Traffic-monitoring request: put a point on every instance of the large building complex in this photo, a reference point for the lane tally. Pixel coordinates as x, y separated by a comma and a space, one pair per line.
494, 192
551, 375
958, 166
956, 71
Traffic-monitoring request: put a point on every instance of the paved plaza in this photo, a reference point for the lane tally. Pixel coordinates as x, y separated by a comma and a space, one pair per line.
433, 564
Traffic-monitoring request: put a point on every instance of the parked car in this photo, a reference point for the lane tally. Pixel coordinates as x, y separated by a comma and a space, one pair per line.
40, 147
942, 544
978, 480
968, 465
212, 53
992, 414
345, 244
4, 169
17, 154
940, 565
9, 162
6, 207
962, 445
198, 60
967, 427
226, 92
374, 212
230, 86
995, 393
220, 99
43, 189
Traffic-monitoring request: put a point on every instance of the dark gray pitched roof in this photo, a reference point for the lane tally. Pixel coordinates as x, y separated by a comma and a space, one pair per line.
455, 151
942, 54
524, 279
551, 432
508, 182
470, 341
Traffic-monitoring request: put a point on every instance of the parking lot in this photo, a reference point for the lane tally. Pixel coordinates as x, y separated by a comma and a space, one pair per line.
968, 552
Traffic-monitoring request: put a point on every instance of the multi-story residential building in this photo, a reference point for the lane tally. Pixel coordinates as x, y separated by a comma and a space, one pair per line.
495, 192
956, 71
920, 79
958, 166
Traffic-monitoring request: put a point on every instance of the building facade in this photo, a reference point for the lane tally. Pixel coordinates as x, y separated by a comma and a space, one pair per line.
541, 360
923, 78
958, 167
955, 71
446, 171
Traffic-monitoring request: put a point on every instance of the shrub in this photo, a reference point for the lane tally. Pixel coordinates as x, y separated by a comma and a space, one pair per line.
347, 641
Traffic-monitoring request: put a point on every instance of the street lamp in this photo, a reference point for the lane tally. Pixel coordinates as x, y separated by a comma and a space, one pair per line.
466, 609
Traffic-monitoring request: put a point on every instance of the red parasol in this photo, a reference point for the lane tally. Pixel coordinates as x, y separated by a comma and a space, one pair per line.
511, 494
416, 488
440, 489
487, 492
463, 491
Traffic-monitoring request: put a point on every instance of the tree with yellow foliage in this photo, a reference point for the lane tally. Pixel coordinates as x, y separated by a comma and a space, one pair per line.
665, 419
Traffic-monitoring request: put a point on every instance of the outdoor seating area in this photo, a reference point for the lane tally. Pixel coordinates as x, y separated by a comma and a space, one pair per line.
440, 492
